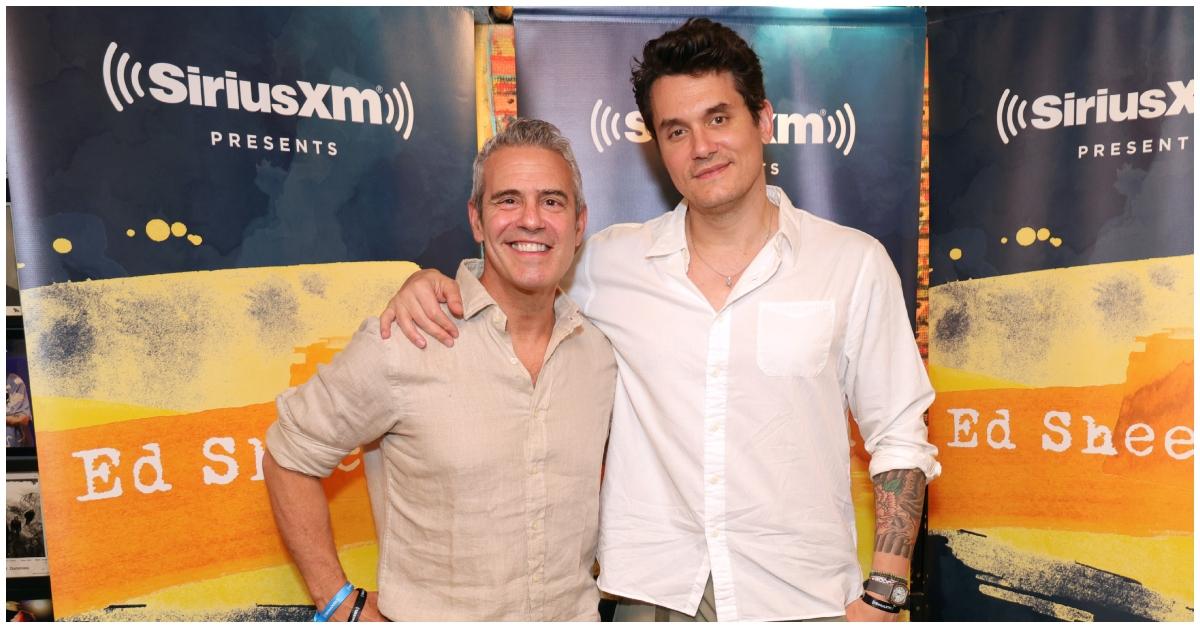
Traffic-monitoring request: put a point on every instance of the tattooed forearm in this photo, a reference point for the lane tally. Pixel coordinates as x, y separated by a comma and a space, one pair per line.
899, 495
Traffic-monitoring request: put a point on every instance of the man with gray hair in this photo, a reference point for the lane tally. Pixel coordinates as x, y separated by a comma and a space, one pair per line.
491, 451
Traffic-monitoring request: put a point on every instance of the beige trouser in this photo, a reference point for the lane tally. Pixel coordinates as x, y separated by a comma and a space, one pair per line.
633, 610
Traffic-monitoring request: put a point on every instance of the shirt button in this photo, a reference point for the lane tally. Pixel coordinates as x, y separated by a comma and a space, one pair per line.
536, 525
716, 533
537, 577
714, 371
714, 427
513, 360
714, 479
533, 470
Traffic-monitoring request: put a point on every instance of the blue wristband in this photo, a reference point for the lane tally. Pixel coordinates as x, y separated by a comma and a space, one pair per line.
334, 603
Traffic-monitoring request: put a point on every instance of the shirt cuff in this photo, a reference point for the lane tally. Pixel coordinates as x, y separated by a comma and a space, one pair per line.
884, 461
298, 452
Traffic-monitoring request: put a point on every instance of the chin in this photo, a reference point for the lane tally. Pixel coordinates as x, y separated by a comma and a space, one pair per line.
711, 198
536, 283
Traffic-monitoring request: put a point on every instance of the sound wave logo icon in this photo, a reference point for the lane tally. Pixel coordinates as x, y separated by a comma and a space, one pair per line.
135, 75
1011, 112
844, 127
401, 107
170, 84
606, 121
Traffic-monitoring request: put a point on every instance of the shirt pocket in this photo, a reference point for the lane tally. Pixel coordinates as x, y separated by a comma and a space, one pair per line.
794, 337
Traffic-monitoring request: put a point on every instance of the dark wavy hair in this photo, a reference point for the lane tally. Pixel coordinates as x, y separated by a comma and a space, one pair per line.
698, 47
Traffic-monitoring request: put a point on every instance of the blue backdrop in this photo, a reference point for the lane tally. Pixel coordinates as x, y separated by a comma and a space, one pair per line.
393, 186
997, 164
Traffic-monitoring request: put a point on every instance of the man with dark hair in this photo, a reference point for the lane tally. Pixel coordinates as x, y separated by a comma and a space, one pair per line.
745, 328
700, 46
491, 452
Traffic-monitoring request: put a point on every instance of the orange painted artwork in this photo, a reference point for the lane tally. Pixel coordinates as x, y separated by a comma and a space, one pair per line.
152, 440
1064, 420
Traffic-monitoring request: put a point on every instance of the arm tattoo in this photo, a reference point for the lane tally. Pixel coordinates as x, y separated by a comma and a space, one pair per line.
899, 495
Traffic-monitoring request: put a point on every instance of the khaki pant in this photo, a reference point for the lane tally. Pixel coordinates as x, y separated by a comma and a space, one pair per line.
633, 610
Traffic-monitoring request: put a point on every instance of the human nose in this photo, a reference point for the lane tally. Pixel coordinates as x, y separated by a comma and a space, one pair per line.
703, 144
531, 217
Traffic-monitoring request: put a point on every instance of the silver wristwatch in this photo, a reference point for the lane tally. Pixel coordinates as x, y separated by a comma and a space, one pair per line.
894, 590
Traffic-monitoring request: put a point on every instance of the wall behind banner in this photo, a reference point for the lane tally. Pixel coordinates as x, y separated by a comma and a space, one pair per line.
203, 200
1061, 330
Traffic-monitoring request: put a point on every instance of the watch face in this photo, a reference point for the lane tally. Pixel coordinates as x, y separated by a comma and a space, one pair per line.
899, 595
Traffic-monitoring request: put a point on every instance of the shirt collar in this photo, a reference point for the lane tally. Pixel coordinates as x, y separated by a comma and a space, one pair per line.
668, 234
476, 298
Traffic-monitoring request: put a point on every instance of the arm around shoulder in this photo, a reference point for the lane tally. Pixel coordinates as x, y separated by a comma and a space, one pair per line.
416, 308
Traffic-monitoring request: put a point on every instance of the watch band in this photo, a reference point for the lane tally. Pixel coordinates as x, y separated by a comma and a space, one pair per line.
880, 604
881, 576
892, 589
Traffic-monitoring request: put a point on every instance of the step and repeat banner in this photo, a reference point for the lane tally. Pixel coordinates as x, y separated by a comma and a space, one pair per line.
846, 86
1061, 328
206, 202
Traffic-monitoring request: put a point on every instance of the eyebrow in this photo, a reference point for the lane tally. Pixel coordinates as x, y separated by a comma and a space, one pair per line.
514, 192
497, 195
717, 108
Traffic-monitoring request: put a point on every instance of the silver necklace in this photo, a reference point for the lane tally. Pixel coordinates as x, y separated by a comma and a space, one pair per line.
728, 278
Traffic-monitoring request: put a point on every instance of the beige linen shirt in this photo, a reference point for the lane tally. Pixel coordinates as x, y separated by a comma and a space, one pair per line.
492, 483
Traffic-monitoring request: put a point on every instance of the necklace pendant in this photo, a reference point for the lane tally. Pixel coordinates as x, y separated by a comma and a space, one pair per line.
729, 282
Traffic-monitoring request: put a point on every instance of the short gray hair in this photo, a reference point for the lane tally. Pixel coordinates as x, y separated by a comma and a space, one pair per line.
527, 132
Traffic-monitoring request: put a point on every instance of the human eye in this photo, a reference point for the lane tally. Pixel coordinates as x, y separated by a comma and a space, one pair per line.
720, 119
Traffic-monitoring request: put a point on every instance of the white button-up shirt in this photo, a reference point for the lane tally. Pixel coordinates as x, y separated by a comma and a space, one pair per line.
729, 450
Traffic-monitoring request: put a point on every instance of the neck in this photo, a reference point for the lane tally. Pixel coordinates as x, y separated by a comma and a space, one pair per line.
530, 314
737, 226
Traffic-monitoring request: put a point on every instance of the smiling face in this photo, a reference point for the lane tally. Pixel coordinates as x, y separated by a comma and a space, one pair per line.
710, 143
527, 221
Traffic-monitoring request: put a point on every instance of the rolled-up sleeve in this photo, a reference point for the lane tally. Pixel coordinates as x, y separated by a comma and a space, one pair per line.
887, 387
349, 402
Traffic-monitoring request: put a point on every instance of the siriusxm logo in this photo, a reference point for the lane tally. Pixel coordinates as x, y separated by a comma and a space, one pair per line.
837, 129
817, 128
1051, 111
171, 84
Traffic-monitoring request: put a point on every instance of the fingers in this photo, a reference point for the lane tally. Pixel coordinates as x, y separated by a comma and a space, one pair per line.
416, 308
385, 322
433, 321
410, 331
446, 291
454, 302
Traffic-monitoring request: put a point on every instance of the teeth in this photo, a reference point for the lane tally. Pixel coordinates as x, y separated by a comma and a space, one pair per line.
529, 247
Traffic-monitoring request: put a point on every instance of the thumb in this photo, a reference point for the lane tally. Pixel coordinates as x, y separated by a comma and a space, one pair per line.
452, 298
